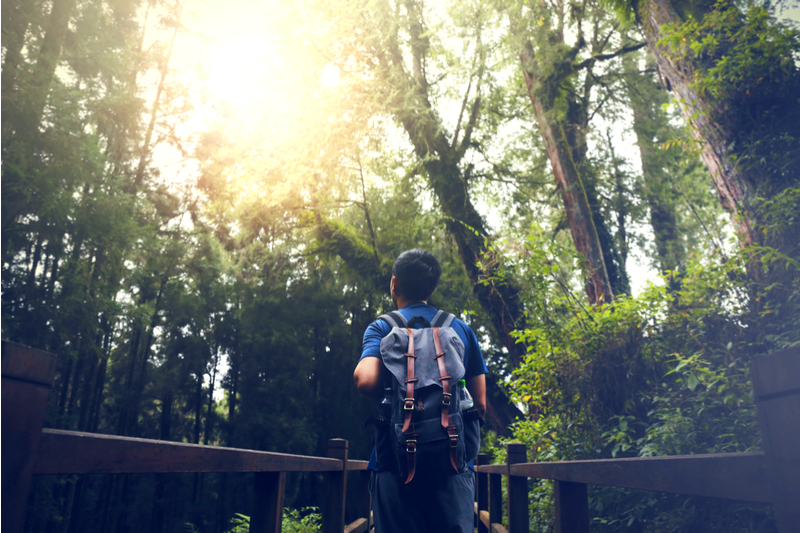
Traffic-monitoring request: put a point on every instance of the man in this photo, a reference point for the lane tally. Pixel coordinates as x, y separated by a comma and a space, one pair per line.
444, 504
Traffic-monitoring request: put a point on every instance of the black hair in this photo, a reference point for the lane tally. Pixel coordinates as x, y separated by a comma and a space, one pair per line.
417, 273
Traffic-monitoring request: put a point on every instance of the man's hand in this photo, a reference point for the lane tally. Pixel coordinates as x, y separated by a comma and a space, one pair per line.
368, 377
476, 385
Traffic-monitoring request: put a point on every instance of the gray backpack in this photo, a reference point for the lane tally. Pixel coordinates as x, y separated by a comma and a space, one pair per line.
421, 428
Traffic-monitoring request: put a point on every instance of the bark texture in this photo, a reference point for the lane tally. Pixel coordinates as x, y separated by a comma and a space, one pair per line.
734, 185
568, 179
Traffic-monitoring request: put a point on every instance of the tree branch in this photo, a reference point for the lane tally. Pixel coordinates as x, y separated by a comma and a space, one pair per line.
604, 57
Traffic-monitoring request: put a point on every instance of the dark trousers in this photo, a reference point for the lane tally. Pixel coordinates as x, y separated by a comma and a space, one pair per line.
443, 505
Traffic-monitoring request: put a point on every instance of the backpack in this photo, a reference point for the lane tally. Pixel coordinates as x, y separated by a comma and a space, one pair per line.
421, 428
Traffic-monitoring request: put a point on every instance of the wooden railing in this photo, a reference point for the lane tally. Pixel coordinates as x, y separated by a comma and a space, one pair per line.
29, 450
770, 477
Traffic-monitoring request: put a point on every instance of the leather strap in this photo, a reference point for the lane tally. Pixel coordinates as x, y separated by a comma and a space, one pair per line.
445, 378
408, 406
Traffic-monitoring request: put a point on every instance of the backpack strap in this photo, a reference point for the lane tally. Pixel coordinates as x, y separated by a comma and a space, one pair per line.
408, 408
394, 319
444, 377
442, 320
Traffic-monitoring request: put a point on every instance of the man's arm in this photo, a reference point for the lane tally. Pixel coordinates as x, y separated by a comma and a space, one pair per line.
476, 385
368, 377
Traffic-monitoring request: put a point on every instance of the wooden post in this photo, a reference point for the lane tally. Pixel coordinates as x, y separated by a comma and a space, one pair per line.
268, 491
482, 489
572, 507
27, 376
776, 383
517, 491
495, 499
335, 489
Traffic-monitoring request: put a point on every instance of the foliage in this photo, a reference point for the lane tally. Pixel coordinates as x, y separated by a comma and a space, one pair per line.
306, 520
665, 373
224, 303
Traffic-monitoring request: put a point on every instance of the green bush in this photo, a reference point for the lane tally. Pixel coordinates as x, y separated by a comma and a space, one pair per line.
306, 520
664, 373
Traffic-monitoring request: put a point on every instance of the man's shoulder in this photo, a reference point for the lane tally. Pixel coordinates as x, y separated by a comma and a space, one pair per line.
379, 324
460, 324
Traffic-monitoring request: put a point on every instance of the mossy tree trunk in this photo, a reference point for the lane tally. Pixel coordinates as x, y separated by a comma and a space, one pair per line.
731, 125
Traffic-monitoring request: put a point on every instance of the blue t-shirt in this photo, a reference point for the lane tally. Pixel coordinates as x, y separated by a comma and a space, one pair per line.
474, 364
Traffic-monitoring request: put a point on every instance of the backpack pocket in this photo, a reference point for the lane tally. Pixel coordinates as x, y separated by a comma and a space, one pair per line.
472, 432
432, 458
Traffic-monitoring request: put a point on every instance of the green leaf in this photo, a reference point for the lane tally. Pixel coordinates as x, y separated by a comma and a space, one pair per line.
692, 382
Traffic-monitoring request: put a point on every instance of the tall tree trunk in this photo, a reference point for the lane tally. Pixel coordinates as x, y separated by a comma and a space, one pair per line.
26, 128
37, 256
66, 375
573, 194
210, 403
165, 426
148, 137
138, 389
650, 124
16, 18
233, 375
133, 356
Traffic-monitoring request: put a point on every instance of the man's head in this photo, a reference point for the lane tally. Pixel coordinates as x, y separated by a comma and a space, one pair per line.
416, 275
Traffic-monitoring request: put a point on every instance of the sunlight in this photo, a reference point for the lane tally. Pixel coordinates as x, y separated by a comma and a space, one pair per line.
237, 68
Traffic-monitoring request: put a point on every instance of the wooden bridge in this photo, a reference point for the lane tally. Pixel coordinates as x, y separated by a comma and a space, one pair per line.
772, 476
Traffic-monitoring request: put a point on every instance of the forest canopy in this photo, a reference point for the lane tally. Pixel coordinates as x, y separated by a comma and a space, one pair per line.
202, 202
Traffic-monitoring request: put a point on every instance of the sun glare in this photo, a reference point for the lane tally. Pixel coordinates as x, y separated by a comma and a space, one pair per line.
237, 69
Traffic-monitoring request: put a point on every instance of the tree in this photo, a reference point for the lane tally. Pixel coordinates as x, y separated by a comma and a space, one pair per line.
735, 88
563, 112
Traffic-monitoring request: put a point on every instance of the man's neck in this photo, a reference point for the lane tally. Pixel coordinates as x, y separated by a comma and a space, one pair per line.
402, 302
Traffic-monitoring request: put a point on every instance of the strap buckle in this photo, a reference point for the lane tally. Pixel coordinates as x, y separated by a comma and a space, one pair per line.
411, 446
453, 434
446, 399
408, 405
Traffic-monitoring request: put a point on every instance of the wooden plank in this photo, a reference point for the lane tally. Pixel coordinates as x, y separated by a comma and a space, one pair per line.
268, 492
483, 518
357, 526
572, 507
776, 383
518, 521
22, 363
734, 476
335, 489
27, 375
356, 465
498, 528
493, 469
72, 452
